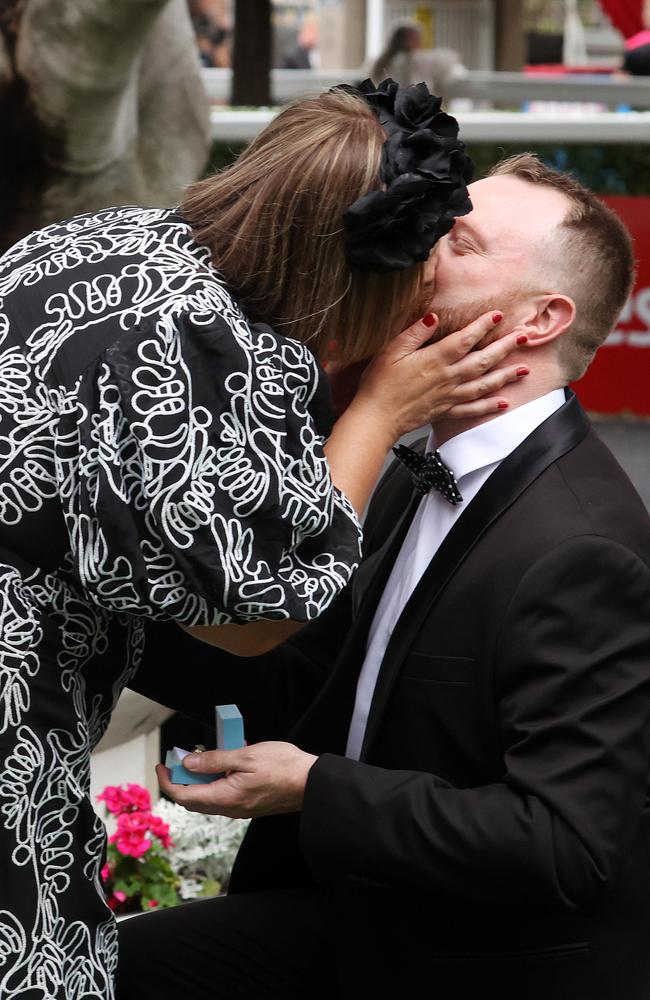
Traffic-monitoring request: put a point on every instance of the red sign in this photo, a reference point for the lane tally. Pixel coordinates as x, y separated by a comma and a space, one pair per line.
618, 379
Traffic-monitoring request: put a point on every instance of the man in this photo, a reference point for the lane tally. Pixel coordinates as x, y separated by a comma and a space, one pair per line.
300, 55
463, 801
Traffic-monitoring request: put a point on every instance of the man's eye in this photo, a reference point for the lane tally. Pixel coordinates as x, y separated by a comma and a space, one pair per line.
460, 246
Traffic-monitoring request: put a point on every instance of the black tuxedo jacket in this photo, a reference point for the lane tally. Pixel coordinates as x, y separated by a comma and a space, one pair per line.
495, 833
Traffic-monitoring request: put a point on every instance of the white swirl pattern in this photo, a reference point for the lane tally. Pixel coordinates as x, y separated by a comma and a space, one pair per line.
159, 457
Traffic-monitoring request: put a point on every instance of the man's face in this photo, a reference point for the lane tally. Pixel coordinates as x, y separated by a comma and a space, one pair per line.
499, 256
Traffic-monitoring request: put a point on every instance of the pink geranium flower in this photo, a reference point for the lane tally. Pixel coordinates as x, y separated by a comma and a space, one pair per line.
135, 829
131, 846
118, 799
130, 823
138, 798
132, 827
129, 837
130, 842
114, 799
160, 829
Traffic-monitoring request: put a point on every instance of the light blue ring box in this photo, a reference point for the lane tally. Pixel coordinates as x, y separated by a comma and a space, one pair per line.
230, 736
178, 774
230, 727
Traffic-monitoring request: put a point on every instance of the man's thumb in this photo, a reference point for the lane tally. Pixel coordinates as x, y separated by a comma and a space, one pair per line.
202, 763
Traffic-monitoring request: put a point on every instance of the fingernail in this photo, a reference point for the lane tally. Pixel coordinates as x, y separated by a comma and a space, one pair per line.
522, 371
497, 317
522, 339
191, 761
429, 319
502, 405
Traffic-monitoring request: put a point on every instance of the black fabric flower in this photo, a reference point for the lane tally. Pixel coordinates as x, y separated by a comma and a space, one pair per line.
425, 171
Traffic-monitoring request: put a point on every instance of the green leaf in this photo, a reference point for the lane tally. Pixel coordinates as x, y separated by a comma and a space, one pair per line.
162, 894
210, 887
130, 887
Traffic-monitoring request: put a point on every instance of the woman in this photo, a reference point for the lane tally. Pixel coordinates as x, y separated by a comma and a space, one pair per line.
395, 60
164, 457
407, 62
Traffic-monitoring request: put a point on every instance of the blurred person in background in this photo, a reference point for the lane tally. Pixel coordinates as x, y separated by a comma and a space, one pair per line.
302, 53
641, 37
636, 61
169, 453
212, 37
406, 61
636, 56
397, 60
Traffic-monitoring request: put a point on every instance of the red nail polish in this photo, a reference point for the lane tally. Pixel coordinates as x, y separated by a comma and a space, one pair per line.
523, 339
502, 405
497, 317
429, 319
522, 371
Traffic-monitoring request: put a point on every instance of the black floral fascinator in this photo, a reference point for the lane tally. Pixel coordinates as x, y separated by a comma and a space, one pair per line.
425, 172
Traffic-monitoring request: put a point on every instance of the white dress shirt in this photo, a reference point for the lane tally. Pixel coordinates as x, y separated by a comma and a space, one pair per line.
472, 456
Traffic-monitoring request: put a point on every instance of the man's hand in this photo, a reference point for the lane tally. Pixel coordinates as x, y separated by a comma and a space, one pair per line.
261, 780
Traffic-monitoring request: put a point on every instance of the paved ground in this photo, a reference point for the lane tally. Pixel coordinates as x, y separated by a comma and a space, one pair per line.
630, 442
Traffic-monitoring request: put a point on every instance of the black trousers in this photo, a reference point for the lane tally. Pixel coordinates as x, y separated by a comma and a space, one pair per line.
248, 945
305, 944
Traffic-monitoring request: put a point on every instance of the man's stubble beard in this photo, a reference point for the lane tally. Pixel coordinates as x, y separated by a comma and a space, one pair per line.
454, 318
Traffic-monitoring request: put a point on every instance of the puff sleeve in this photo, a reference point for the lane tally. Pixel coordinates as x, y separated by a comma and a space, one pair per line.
194, 481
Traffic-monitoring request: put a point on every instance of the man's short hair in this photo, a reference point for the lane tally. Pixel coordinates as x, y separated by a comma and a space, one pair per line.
595, 260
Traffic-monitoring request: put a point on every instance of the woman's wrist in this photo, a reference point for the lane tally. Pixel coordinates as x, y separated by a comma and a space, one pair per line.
374, 419
356, 451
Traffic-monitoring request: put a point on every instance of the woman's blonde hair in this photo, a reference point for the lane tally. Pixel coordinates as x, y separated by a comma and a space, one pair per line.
273, 221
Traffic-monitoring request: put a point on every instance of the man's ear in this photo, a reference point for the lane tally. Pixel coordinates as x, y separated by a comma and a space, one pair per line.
548, 319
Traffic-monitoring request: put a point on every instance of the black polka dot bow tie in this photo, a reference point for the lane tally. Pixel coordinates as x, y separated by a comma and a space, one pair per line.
429, 472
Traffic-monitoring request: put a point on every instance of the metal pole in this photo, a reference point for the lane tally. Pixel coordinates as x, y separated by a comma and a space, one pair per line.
374, 28
574, 49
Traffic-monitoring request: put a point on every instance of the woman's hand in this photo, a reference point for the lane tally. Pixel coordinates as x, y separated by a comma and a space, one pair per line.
411, 384
405, 387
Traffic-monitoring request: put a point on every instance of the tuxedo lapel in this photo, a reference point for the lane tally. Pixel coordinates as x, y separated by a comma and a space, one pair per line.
327, 720
561, 432
373, 573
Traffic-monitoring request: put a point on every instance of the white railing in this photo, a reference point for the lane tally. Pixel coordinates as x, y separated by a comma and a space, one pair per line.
477, 85
285, 83
485, 126
573, 114
516, 88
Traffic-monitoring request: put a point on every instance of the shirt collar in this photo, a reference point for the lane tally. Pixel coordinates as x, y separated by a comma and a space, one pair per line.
494, 440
